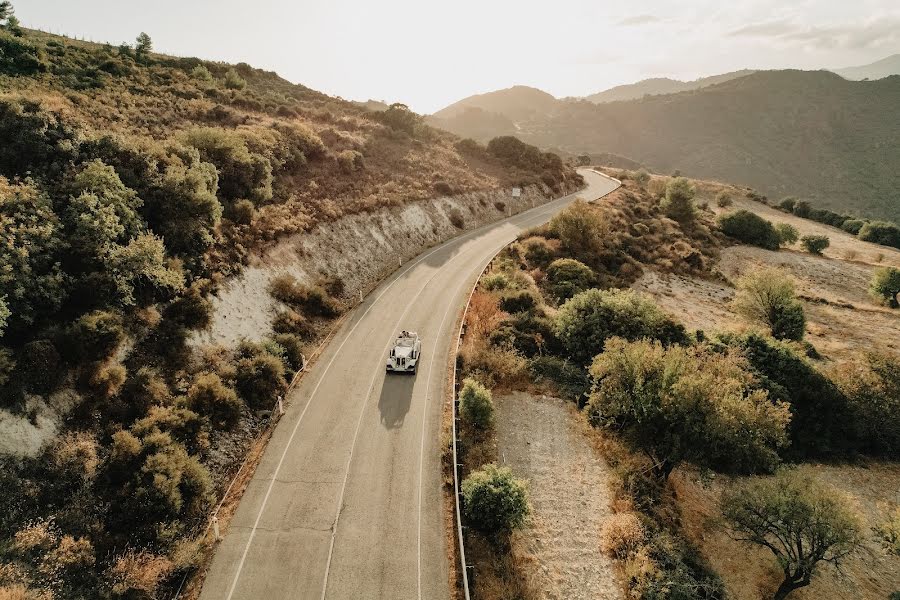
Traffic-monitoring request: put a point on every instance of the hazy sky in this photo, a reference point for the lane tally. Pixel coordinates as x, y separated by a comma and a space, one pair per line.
429, 54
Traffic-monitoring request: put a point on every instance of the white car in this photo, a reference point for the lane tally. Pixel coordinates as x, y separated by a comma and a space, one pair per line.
404, 355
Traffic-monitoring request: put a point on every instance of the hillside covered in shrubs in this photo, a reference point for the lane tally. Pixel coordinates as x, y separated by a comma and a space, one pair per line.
555, 313
131, 185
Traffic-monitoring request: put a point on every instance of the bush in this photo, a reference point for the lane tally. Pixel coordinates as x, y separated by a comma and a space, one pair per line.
71, 553
537, 251
19, 57
313, 299
39, 367
293, 350
787, 234
723, 199
201, 73
350, 161
494, 282
679, 201
802, 208
242, 174
516, 301
567, 277
749, 228
96, 335
622, 535
585, 322
853, 226
494, 501
787, 204
572, 382
767, 296
209, 397
75, 454
581, 231
881, 232
820, 415
815, 244
242, 212
872, 390
686, 404
885, 286
291, 322
233, 81
475, 405
260, 380
138, 575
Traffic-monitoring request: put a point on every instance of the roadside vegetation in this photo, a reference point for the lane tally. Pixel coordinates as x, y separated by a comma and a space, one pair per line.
554, 313
132, 185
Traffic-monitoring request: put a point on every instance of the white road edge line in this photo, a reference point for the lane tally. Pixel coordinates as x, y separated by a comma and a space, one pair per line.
396, 278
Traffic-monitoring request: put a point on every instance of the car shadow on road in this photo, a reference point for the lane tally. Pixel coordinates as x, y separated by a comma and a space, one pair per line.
396, 397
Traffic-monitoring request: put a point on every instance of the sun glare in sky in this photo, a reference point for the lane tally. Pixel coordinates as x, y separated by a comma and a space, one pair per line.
429, 54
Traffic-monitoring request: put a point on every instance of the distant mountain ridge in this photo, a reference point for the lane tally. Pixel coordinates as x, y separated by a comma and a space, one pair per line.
876, 70
812, 134
661, 85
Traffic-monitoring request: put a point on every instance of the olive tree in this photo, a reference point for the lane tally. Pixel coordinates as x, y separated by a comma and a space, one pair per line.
495, 502
681, 404
767, 296
885, 285
802, 523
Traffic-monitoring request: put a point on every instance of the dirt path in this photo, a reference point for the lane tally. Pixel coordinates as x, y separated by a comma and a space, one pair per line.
540, 439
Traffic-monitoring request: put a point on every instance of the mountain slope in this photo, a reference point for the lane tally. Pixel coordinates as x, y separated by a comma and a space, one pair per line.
876, 70
804, 133
517, 103
661, 85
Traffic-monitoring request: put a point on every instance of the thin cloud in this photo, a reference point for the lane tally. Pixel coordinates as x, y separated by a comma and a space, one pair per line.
853, 36
639, 20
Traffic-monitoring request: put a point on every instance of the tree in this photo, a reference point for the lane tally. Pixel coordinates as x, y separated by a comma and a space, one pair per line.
567, 277
686, 404
233, 81
885, 286
6, 10
749, 228
144, 44
14, 26
400, 118
787, 234
802, 523
475, 405
140, 273
587, 320
815, 244
581, 230
495, 502
679, 201
767, 296
881, 232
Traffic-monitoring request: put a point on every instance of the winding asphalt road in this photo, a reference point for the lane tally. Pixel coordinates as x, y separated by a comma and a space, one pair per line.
347, 500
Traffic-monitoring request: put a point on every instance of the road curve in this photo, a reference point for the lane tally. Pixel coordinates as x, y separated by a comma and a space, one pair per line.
347, 500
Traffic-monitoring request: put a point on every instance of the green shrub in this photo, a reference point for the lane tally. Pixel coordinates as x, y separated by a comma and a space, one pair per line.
787, 204
209, 397
686, 404
585, 322
872, 389
494, 282
291, 322
537, 251
233, 81
475, 405
516, 301
567, 277
881, 232
885, 285
96, 335
820, 415
39, 367
767, 296
853, 226
802, 208
723, 199
190, 311
787, 234
242, 174
201, 73
313, 299
571, 382
815, 244
494, 501
350, 161
242, 212
749, 228
260, 380
19, 57
293, 350
679, 201
581, 231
